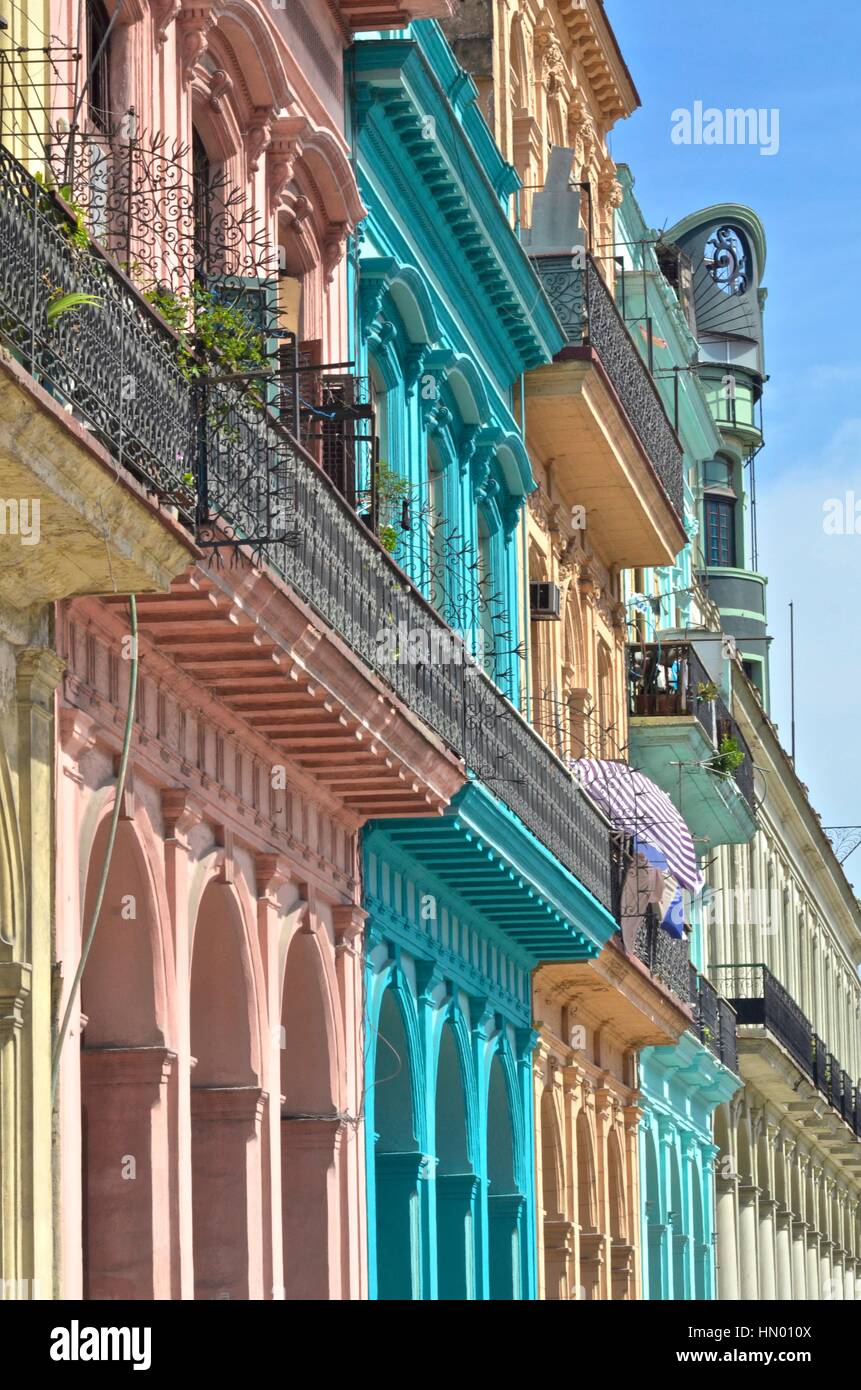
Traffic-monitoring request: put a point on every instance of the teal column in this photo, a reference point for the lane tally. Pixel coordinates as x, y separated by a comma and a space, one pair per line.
401, 1201
456, 1204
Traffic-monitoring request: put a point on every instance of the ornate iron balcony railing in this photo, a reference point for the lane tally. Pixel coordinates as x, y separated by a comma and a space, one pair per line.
220, 456
113, 365
665, 956
588, 313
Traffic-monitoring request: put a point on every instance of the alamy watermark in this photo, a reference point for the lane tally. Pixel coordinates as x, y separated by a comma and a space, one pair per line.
21, 517
735, 125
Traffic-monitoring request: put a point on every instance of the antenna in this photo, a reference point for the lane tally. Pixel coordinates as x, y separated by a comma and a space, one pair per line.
792, 675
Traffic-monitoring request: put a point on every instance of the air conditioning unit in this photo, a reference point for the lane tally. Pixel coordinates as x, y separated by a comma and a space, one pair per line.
544, 601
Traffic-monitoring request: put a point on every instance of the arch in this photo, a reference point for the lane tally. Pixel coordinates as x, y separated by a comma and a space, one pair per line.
679, 1233
465, 383
125, 1072
657, 1281
244, 39
616, 1191
505, 1202
456, 1181
399, 1166
413, 302
699, 1235
556, 1227
587, 1191
311, 1128
226, 1101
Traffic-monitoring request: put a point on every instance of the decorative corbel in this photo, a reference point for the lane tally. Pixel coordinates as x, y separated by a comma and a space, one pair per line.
219, 88
258, 137
334, 246
194, 22
164, 12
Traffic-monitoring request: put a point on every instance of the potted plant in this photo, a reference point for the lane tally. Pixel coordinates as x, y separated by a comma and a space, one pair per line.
728, 758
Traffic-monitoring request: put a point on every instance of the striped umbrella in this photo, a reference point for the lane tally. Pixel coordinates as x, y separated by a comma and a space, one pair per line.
636, 805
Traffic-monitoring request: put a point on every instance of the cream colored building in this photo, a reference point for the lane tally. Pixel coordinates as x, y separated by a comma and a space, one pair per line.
783, 941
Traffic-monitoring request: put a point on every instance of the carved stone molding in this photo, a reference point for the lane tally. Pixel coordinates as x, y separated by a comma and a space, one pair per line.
194, 23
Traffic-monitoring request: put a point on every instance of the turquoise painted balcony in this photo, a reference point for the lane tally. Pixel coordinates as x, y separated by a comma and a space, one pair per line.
682, 735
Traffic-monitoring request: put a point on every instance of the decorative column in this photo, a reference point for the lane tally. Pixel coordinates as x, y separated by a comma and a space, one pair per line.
180, 814
728, 1247
37, 675
747, 1239
349, 925
633, 1116
799, 1260
127, 1209
767, 1249
228, 1255
14, 989
269, 879
784, 1254
813, 1285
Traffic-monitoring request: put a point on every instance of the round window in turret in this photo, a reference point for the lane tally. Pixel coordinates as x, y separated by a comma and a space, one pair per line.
726, 260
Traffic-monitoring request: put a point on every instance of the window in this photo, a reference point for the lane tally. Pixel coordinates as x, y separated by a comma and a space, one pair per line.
487, 597
98, 58
436, 531
720, 531
201, 170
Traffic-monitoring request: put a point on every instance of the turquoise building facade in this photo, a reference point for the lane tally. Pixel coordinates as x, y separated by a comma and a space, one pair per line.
672, 737
460, 907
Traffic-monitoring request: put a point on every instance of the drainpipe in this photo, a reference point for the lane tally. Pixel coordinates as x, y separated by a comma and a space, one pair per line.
526, 695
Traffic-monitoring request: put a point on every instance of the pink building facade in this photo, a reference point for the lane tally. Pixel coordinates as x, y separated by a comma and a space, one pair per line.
211, 1087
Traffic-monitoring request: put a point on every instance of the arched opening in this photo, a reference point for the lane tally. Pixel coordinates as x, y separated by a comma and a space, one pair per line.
226, 1107
678, 1229
655, 1232
311, 1132
702, 1245
456, 1182
398, 1162
505, 1203
591, 1242
621, 1252
125, 1073
557, 1230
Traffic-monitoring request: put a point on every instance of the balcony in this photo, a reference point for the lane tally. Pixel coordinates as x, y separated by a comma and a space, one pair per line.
715, 1021
239, 483
596, 412
96, 416
761, 1001
664, 956
677, 725
712, 1019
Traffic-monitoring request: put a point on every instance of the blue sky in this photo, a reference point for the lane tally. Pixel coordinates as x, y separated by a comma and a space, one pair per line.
803, 61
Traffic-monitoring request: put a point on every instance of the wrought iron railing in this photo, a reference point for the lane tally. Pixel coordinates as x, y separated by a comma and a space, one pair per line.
714, 1020
114, 363
759, 998
587, 311
235, 474
668, 679
666, 957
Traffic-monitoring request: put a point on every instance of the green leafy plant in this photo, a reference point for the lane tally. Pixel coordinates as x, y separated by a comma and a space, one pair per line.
728, 758
60, 304
707, 691
392, 491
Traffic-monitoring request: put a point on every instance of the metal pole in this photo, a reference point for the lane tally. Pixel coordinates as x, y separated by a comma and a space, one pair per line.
792, 675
